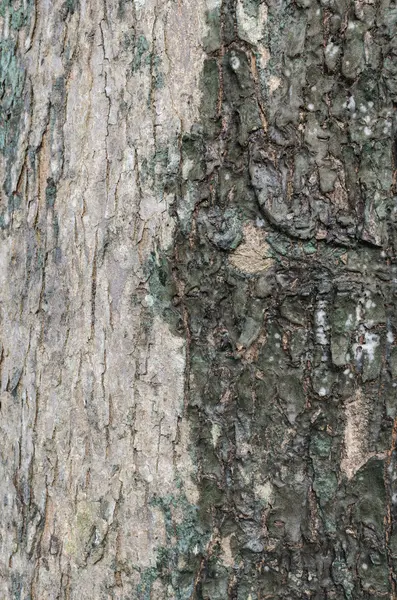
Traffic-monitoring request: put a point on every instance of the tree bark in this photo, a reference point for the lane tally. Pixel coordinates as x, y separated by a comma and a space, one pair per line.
198, 287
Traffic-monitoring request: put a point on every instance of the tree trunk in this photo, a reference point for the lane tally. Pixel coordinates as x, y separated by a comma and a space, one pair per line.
198, 300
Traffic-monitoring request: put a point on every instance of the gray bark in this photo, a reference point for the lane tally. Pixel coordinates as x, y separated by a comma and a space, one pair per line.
198, 358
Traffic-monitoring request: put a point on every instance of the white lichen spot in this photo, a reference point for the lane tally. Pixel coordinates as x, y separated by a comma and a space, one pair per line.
370, 345
358, 313
215, 434
6, 22
322, 391
390, 337
351, 104
367, 131
321, 323
148, 300
387, 127
264, 492
234, 62
310, 107
331, 49
273, 83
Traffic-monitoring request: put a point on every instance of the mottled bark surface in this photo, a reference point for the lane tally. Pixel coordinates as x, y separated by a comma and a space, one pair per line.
198, 321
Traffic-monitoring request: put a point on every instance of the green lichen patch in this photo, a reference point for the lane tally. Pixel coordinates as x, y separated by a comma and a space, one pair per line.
14, 100
179, 561
141, 53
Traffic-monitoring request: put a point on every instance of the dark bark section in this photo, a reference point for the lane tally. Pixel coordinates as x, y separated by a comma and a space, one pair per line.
286, 364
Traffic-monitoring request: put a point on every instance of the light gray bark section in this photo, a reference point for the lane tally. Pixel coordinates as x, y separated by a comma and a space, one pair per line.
92, 384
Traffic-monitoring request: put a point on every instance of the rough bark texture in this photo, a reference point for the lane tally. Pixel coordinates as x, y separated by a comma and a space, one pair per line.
198, 310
